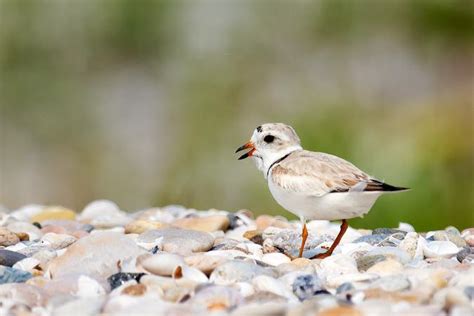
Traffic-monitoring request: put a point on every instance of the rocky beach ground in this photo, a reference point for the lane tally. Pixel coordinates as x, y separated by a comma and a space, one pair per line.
178, 261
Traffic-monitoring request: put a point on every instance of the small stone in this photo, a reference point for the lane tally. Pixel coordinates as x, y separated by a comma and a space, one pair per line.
134, 290
340, 310
204, 224
469, 292
436, 249
392, 283
23, 294
117, 279
288, 241
468, 236
162, 263
11, 275
265, 221
386, 267
104, 214
365, 262
306, 286
180, 241
466, 253
23, 236
442, 235
58, 241
254, 236
387, 231
345, 287
54, 212
237, 271
275, 258
99, 254
8, 238
140, 226
372, 239
205, 263
413, 245
217, 298
22, 227
9, 258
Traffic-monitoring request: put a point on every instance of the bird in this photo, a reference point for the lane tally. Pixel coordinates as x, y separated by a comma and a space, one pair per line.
312, 185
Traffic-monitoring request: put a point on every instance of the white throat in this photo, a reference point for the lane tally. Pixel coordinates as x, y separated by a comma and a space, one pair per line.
264, 160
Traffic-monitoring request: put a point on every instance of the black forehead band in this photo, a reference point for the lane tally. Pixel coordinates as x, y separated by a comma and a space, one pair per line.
259, 129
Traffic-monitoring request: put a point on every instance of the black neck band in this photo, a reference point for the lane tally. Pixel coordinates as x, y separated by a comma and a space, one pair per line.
277, 161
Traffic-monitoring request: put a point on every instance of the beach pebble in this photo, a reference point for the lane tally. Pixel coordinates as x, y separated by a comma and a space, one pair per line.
238, 271
205, 224
162, 264
217, 298
306, 286
140, 226
117, 279
53, 212
180, 241
205, 263
97, 255
436, 249
11, 275
104, 214
8, 238
9, 258
57, 241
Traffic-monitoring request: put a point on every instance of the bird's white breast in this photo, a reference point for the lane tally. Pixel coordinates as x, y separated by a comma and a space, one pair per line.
330, 206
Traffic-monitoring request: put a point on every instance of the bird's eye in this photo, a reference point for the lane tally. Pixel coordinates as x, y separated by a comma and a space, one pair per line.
268, 139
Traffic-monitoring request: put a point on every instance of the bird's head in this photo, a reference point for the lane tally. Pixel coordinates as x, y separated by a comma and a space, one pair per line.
270, 142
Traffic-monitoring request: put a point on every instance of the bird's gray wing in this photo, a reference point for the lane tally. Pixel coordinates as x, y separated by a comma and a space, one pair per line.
312, 173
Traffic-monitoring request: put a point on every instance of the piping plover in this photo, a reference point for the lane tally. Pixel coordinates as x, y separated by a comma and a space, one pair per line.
312, 185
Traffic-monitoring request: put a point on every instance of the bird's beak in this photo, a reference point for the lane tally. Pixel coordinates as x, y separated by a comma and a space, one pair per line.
248, 145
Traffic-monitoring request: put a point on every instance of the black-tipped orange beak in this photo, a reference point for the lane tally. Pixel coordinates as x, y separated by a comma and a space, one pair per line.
248, 145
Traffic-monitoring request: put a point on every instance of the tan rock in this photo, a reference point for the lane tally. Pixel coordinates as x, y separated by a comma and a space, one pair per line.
134, 290
339, 311
140, 226
54, 212
8, 238
264, 221
205, 263
23, 236
254, 236
205, 224
386, 267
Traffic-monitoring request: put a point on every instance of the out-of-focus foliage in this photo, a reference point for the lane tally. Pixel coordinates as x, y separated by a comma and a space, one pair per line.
143, 102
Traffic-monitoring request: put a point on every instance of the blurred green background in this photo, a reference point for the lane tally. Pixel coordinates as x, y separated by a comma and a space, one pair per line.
144, 102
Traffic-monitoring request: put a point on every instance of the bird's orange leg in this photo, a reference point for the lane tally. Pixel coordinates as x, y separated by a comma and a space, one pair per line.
304, 236
344, 226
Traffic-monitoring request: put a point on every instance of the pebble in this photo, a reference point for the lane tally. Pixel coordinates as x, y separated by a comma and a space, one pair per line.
205, 263
306, 286
238, 271
372, 239
204, 224
265, 221
104, 214
388, 231
436, 249
53, 212
275, 258
366, 262
117, 279
412, 244
58, 241
180, 241
11, 275
34, 233
8, 238
9, 258
162, 264
97, 254
216, 298
468, 236
141, 226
